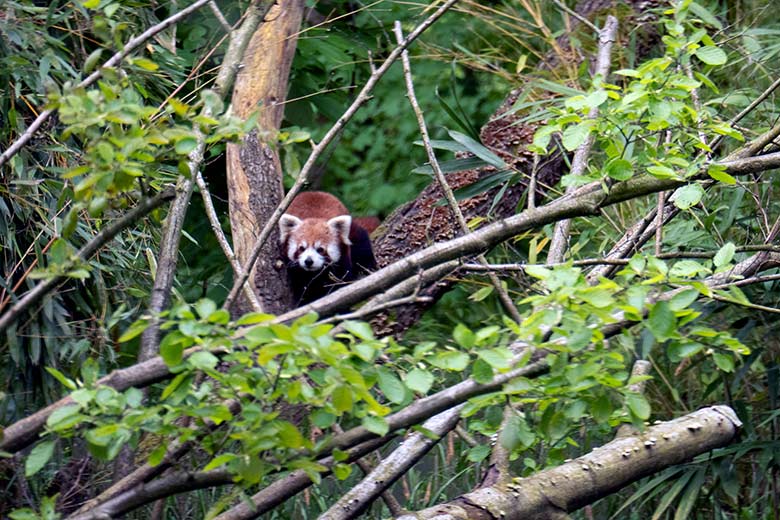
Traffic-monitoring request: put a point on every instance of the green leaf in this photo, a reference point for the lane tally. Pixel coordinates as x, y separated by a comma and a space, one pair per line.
711, 55
205, 307
718, 173
705, 15
478, 453
91, 4
463, 336
620, 169
203, 360
38, 458
342, 398
172, 348
59, 376
481, 371
391, 386
723, 361
376, 425
516, 434
61, 414
92, 60
342, 471
419, 381
24, 514
662, 172
683, 300
135, 329
575, 135
450, 360
185, 145
638, 405
145, 64
724, 255
359, 329
478, 149
688, 196
661, 321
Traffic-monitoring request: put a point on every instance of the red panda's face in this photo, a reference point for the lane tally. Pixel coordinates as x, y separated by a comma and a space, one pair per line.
314, 243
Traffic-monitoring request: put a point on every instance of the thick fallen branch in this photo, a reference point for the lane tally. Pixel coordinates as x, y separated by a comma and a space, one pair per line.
587, 200
566, 488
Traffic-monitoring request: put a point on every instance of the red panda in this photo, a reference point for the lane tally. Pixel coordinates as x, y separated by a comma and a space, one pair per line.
322, 245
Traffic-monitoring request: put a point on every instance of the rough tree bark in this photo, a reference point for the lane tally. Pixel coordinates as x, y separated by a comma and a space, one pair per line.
254, 173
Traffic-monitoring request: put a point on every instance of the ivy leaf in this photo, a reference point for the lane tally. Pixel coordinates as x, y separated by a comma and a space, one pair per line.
38, 458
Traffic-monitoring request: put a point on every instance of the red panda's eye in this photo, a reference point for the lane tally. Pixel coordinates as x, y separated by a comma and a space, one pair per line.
321, 250
301, 249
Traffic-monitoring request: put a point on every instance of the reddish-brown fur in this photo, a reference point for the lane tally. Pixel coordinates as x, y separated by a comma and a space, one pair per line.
316, 204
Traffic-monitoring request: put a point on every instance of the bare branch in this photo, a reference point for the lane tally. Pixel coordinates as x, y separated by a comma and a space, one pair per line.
355, 501
568, 487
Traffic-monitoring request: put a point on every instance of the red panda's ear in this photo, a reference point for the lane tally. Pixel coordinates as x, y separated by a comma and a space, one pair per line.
340, 227
287, 224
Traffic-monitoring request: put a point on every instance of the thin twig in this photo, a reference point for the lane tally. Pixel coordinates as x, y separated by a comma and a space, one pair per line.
318, 149
503, 296
216, 227
577, 15
718, 140
220, 17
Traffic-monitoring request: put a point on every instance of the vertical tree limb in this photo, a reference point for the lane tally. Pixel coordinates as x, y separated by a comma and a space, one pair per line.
254, 173
607, 36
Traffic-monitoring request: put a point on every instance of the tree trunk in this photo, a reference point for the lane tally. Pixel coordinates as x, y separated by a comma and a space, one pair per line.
254, 173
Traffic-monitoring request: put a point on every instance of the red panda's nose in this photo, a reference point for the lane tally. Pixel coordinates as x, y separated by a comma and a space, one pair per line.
308, 262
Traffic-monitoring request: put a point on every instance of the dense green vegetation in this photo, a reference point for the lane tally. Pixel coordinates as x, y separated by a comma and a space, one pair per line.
259, 397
